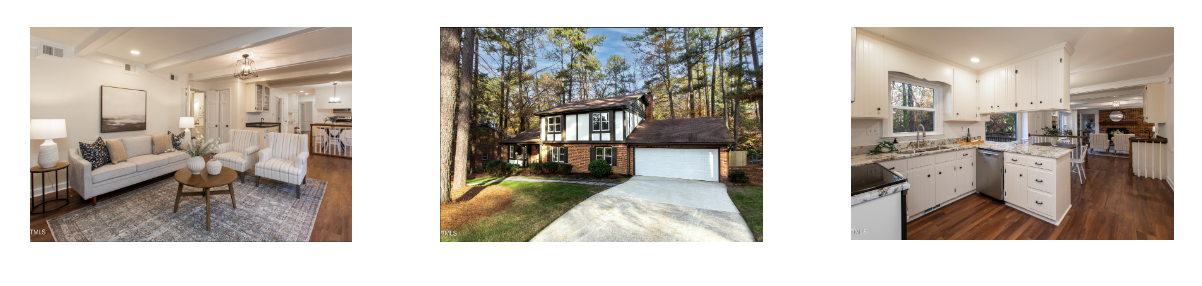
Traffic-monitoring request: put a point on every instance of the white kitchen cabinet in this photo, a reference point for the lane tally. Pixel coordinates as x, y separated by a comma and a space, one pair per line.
1041, 203
1026, 84
964, 96
985, 91
872, 79
1053, 81
921, 195
1015, 184
256, 98
1004, 89
945, 182
1038, 184
1154, 107
966, 172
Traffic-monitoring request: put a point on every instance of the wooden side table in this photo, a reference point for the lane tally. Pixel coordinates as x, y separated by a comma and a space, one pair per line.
205, 181
43, 171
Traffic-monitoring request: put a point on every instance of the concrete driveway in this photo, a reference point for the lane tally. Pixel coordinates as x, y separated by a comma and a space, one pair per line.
652, 209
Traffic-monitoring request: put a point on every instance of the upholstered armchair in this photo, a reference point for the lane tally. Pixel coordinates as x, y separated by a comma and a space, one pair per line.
1122, 142
285, 159
240, 153
1099, 141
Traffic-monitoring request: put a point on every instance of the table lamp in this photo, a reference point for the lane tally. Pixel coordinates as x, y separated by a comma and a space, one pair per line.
47, 129
187, 123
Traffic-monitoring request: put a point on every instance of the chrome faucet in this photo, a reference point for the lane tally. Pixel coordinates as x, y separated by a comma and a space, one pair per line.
922, 135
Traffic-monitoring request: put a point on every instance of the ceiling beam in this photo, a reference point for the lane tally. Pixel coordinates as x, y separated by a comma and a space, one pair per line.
249, 40
1121, 64
285, 62
1119, 84
1112, 99
97, 40
1118, 93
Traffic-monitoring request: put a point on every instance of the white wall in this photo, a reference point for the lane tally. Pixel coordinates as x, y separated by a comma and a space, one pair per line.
69, 88
322, 97
1166, 129
319, 115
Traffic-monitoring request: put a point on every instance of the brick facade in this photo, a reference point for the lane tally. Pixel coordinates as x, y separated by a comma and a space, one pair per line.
1133, 121
579, 156
485, 141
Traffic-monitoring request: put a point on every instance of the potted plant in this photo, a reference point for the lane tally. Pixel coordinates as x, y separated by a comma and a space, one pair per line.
198, 147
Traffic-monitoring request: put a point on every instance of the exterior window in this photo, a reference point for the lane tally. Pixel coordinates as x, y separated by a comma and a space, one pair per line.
555, 124
515, 152
600, 121
484, 157
1001, 127
912, 103
604, 153
559, 154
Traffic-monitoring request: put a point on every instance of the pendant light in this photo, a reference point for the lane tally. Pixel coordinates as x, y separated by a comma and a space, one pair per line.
245, 68
335, 98
1115, 104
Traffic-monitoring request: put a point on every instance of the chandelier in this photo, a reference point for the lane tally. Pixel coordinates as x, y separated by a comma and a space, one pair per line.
1115, 104
245, 68
335, 98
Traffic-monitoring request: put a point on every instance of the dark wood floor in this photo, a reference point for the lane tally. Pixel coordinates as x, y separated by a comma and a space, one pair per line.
333, 216
1111, 205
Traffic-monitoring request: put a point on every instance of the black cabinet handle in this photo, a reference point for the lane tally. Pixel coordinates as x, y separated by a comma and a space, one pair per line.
892, 168
1038, 180
1041, 101
878, 109
1020, 175
941, 173
928, 175
1038, 202
1016, 160
1038, 163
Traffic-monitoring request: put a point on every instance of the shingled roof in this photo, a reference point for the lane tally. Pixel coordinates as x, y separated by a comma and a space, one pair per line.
693, 131
528, 136
593, 104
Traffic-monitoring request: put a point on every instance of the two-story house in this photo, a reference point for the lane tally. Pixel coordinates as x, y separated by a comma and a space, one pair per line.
616, 130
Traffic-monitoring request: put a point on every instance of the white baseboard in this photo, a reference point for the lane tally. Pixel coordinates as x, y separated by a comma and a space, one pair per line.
37, 192
1053, 222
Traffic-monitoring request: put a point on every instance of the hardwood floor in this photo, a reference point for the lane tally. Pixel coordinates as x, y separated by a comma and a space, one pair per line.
333, 221
1111, 205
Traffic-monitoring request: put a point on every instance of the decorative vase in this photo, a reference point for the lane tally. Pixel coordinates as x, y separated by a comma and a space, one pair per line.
196, 164
214, 167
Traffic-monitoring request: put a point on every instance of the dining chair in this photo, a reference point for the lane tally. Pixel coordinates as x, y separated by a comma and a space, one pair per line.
1078, 160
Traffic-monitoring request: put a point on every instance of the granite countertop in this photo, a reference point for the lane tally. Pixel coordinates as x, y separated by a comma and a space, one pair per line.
1041, 151
879, 193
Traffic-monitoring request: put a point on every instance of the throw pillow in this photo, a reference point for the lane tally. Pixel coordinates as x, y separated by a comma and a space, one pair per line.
96, 152
177, 141
116, 151
161, 143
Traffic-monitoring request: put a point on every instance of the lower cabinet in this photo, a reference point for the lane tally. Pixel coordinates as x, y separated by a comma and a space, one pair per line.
1015, 184
921, 195
1041, 202
945, 182
933, 180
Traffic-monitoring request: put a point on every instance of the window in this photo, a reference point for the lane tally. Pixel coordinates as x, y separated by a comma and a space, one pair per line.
913, 103
559, 154
554, 124
515, 152
600, 121
1001, 127
604, 153
484, 157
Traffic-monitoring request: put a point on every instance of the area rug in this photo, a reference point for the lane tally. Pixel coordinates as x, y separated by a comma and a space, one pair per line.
1111, 154
270, 212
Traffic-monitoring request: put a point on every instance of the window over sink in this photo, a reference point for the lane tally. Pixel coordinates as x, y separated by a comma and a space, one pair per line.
913, 103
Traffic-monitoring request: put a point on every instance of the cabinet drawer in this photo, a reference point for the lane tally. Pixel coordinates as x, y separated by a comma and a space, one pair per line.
1042, 180
1041, 203
895, 165
947, 157
1016, 159
920, 161
1042, 163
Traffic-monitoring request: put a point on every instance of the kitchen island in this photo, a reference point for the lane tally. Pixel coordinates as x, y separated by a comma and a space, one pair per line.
1036, 179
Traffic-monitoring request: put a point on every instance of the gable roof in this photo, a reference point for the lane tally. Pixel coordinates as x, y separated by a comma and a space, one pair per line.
594, 104
704, 131
528, 136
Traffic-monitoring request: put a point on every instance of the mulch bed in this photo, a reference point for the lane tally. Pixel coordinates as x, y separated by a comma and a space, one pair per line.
473, 202
754, 172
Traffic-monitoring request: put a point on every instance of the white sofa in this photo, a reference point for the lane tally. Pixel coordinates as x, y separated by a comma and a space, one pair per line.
141, 166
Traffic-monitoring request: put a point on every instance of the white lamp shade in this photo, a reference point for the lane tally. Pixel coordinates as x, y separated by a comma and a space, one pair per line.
187, 122
47, 128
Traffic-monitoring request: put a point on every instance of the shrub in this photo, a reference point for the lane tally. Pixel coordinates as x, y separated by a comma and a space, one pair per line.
550, 167
565, 169
513, 169
495, 167
536, 168
599, 168
739, 176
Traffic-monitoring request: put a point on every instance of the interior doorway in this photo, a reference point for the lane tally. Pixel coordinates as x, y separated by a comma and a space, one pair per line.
198, 113
1086, 124
306, 116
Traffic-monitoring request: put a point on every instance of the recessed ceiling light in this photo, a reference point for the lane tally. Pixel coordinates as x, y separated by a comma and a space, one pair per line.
976, 60
135, 52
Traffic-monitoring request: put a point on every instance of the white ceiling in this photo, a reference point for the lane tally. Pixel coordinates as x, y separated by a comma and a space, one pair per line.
1127, 97
209, 53
992, 46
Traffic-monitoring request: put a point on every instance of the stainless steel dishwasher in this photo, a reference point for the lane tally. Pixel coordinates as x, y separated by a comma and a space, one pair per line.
989, 173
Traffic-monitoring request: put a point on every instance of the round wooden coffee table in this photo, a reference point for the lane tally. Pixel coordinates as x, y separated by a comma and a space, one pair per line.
205, 181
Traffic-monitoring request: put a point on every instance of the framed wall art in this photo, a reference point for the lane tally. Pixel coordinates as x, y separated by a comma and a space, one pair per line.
122, 109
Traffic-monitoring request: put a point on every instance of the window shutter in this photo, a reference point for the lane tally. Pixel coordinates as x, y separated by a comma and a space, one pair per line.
613, 161
592, 153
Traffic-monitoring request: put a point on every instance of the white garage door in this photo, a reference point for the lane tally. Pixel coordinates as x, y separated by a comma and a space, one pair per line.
692, 164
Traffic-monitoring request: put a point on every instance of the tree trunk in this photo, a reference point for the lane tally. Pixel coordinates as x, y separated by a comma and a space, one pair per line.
449, 50
742, 84
722, 95
714, 71
668, 86
759, 83
692, 113
465, 105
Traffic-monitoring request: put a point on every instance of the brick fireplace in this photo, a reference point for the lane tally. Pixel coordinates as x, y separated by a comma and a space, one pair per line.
1132, 122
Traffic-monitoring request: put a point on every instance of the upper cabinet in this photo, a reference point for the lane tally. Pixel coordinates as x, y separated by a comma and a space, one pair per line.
1036, 83
871, 79
259, 99
1053, 80
1154, 103
964, 96
1026, 89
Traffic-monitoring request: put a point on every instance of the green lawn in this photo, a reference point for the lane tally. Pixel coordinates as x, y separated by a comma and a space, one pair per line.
750, 201
482, 179
535, 205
